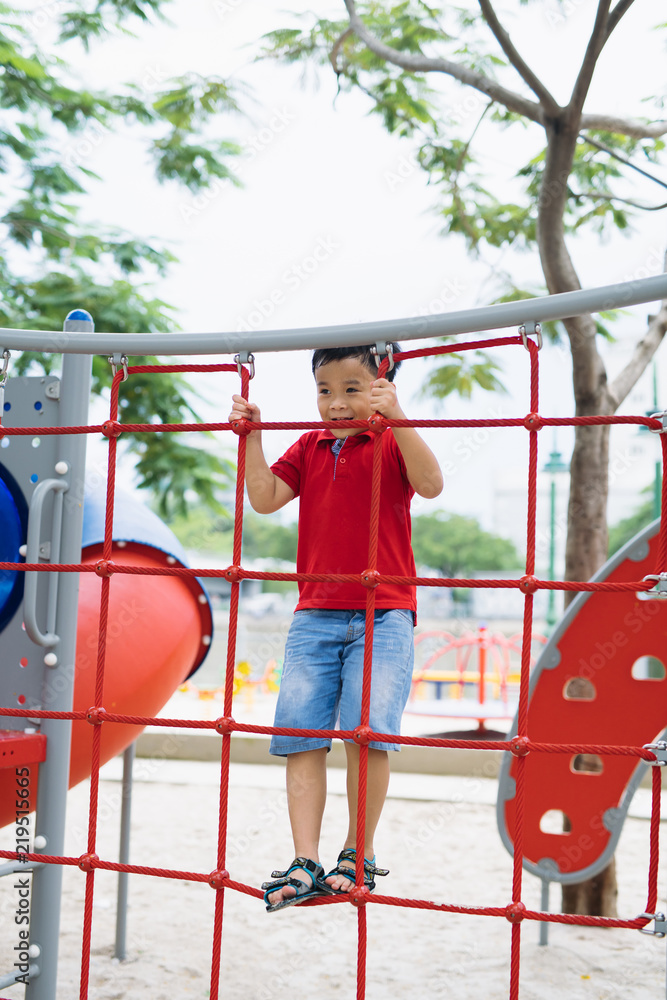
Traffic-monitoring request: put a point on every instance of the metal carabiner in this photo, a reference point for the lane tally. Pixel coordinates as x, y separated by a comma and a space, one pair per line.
386, 349
4, 372
245, 358
531, 327
119, 359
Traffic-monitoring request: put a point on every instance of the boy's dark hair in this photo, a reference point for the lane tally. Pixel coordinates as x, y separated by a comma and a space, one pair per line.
324, 355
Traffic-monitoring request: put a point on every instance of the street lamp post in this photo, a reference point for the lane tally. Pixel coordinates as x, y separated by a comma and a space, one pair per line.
553, 467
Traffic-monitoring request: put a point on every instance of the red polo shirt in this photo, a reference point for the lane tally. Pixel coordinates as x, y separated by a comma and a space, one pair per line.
334, 518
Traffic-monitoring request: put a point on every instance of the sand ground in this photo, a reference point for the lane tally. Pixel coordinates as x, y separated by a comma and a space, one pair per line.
439, 838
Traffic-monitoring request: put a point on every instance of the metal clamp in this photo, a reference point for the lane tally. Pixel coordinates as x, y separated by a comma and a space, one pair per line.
660, 589
660, 929
119, 359
4, 373
660, 751
245, 358
382, 350
528, 328
661, 415
41, 491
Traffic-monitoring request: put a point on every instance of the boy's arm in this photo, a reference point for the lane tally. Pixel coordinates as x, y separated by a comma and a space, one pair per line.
421, 465
266, 491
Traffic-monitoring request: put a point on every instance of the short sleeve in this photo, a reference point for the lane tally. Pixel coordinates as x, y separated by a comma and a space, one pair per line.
289, 467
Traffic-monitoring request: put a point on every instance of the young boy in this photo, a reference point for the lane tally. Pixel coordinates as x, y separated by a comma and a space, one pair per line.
330, 471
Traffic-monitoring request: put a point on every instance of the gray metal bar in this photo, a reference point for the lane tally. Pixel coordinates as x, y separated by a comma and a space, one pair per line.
9, 980
494, 317
124, 853
13, 867
544, 906
59, 680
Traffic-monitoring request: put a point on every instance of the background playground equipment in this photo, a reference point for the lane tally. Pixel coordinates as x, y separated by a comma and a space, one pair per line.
478, 688
47, 859
159, 632
246, 683
601, 680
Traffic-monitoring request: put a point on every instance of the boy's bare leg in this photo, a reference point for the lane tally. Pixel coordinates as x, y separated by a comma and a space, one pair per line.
376, 793
306, 780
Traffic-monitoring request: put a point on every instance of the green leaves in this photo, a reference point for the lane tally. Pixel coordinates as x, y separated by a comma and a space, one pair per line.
49, 134
460, 374
457, 546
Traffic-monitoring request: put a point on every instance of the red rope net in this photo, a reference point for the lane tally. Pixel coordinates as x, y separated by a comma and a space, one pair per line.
220, 880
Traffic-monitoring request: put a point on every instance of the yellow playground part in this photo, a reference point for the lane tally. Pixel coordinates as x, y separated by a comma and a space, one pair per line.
478, 687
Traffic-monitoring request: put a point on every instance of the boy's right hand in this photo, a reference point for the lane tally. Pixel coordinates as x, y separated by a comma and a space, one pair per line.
242, 409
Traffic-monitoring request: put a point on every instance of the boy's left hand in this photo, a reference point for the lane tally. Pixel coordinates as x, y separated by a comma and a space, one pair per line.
384, 399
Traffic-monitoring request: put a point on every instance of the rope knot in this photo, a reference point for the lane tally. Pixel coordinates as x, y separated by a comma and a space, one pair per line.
105, 567
224, 725
87, 862
362, 735
233, 574
376, 423
240, 427
359, 895
515, 912
370, 578
95, 716
528, 584
112, 428
520, 746
533, 422
219, 878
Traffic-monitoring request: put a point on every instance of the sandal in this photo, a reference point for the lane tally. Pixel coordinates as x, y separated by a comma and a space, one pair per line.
370, 870
304, 891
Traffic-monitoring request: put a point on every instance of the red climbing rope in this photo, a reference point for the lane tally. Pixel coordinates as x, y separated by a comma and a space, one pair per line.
520, 745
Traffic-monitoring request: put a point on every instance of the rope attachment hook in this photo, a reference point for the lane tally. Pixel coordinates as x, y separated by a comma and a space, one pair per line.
660, 588
245, 358
530, 327
381, 350
661, 415
660, 750
660, 929
116, 360
4, 375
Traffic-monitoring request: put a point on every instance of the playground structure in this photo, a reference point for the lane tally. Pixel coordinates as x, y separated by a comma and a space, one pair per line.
54, 715
480, 687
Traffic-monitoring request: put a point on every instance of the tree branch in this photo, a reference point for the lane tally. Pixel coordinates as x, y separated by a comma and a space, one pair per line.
642, 354
595, 45
624, 126
621, 8
547, 100
423, 64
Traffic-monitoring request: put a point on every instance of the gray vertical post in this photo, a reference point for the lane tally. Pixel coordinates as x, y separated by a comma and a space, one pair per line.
124, 852
59, 679
544, 906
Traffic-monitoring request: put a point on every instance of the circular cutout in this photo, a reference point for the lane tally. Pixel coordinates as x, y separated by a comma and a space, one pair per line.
648, 668
555, 821
579, 689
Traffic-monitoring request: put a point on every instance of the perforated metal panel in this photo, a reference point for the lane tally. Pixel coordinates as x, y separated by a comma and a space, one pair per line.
26, 461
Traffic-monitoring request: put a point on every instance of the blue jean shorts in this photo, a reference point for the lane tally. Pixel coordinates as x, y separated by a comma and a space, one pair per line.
323, 671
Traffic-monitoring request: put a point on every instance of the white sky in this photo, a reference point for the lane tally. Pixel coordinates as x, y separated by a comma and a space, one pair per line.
330, 177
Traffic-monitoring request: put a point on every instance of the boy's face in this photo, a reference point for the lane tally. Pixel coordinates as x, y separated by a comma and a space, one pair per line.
344, 393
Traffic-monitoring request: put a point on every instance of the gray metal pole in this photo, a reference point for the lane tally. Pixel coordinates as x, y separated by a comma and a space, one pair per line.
495, 317
124, 853
544, 906
59, 679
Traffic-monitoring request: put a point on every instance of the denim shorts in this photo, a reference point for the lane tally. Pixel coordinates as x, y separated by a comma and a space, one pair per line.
323, 671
